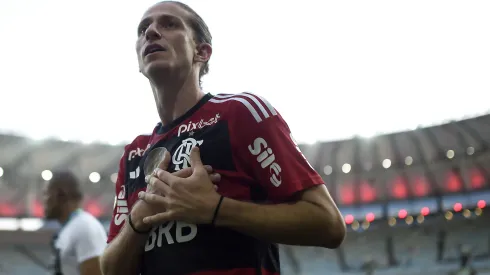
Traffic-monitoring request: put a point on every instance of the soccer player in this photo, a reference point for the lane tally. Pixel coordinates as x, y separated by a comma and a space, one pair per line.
176, 222
81, 240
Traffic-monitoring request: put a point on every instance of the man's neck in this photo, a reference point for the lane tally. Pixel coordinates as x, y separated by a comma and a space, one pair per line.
175, 100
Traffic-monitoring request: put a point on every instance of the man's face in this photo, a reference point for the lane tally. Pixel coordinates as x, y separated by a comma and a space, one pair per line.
51, 201
165, 40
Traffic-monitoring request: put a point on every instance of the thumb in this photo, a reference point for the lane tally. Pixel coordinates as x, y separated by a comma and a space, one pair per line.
196, 158
165, 162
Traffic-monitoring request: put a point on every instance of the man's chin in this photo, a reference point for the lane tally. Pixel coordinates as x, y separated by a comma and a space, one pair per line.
157, 67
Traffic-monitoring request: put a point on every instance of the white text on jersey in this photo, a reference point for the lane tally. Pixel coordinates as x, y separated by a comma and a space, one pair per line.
137, 152
121, 206
266, 158
156, 237
191, 126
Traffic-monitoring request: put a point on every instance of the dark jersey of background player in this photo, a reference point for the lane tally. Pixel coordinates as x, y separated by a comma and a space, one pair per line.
245, 140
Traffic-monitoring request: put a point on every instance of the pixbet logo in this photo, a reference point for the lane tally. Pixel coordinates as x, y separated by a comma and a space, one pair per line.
191, 126
137, 152
121, 205
266, 158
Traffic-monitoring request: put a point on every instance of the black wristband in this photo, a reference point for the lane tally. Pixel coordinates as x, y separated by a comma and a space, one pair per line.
216, 210
134, 228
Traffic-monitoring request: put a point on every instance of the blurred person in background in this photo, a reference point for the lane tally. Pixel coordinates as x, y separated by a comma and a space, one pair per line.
465, 262
171, 220
81, 240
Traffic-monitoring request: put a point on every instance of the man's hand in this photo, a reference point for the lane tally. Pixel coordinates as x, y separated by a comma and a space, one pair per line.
143, 209
190, 198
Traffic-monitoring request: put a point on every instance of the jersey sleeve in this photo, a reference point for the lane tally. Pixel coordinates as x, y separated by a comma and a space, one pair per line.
268, 151
121, 208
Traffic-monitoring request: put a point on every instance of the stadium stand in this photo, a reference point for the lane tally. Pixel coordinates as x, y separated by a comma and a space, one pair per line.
414, 202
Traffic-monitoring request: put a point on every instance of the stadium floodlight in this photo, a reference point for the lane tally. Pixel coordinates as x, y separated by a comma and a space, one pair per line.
386, 163
448, 215
346, 168
114, 177
46, 175
450, 154
1, 172
365, 225
327, 170
355, 225
402, 214
349, 219
478, 211
457, 207
94, 177
370, 217
408, 161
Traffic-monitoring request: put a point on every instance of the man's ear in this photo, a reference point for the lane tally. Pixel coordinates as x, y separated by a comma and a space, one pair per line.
203, 52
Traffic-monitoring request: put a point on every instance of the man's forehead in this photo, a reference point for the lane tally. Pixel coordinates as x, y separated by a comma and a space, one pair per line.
165, 8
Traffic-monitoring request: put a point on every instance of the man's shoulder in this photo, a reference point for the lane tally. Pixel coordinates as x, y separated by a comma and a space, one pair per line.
245, 105
86, 220
83, 224
139, 145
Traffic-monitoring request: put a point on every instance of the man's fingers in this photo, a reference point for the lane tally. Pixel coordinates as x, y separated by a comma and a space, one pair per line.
166, 177
208, 168
157, 185
159, 218
215, 177
187, 172
184, 173
195, 158
166, 161
152, 199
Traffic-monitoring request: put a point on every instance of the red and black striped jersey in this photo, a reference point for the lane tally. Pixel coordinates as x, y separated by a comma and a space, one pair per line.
245, 140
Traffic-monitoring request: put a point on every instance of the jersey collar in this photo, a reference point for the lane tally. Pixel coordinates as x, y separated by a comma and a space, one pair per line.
162, 129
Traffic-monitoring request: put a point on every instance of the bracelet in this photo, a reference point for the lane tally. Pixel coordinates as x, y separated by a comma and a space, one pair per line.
216, 210
134, 228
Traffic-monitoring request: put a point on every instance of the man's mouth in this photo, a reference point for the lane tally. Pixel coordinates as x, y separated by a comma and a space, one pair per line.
153, 48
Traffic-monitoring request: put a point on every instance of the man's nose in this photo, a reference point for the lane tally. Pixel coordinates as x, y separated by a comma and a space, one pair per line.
152, 33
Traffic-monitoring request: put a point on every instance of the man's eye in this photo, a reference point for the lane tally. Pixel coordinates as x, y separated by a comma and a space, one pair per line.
169, 25
141, 30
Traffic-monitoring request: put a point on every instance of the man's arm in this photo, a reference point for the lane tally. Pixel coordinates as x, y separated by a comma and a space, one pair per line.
303, 212
122, 256
123, 253
313, 220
